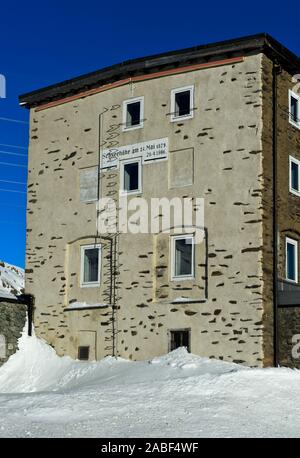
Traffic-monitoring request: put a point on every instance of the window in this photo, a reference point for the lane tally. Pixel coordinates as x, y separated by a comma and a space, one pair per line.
180, 338
83, 353
294, 176
291, 259
182, 103
89, 184
90, 265
131, 176
133, 113
183, 257
294, 109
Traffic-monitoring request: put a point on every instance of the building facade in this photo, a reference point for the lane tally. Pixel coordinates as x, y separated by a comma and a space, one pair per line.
218, 123
12, 322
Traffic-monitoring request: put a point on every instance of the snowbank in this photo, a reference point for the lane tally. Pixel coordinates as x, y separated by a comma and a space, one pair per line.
37, 367
181, 359
175, 395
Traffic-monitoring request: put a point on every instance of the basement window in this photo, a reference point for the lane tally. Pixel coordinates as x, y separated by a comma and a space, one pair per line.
90, 265
83, 353
294, 176
182, 103
291, 259
180, 338
183, 249
133, 112
294, 109
131, 176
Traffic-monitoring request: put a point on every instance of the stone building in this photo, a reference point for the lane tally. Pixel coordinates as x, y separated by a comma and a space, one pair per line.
218, 122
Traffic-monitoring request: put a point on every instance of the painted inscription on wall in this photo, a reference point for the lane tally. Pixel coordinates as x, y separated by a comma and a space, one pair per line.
152, 150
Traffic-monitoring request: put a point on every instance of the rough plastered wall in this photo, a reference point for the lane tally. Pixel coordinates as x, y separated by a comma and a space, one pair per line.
223, 144
267, 201
288, 208
12, 322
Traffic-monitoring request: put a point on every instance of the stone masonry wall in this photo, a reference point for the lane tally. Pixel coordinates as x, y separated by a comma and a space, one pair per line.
267, 200
289, 336
288, 205
12, 322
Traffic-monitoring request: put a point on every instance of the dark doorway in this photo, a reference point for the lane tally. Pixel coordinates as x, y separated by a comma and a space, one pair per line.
180, 338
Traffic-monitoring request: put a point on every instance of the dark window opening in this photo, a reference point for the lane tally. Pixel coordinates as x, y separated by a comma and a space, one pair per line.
180, 339
83, 353
291, 261
133, 115
131, 176
183, 103
183, 257
294, 176
294, 109
91, 265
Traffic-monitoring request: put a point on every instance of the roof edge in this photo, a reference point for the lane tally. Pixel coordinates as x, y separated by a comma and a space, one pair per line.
261, 42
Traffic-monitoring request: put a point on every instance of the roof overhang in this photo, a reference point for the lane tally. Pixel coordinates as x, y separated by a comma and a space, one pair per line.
253, 44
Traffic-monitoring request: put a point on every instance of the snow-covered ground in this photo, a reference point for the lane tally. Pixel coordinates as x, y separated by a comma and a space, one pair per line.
176, 395
11, 280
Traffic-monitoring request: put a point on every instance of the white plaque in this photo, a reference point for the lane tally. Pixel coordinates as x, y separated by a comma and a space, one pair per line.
149, 151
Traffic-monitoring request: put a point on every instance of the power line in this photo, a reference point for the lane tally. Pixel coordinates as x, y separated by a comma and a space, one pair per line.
12, 190
14, 146
13, 120
13, 165
13, 182
13, 154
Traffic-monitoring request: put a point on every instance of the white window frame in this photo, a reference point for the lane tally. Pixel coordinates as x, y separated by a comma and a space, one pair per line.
297, 162
93, 283
297, 97
137, 160
128, 102
295, 244
173, 244
173, 93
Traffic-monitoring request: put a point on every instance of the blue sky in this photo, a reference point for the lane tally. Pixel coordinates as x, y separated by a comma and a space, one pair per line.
46, 42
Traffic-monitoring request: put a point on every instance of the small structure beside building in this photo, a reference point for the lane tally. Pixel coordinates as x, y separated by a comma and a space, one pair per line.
12, 322
15, 309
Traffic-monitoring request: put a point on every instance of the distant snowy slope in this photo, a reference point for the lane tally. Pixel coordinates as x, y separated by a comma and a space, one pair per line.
11, 279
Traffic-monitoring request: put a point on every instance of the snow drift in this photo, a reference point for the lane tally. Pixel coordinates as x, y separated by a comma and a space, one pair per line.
37, 367
175, 395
